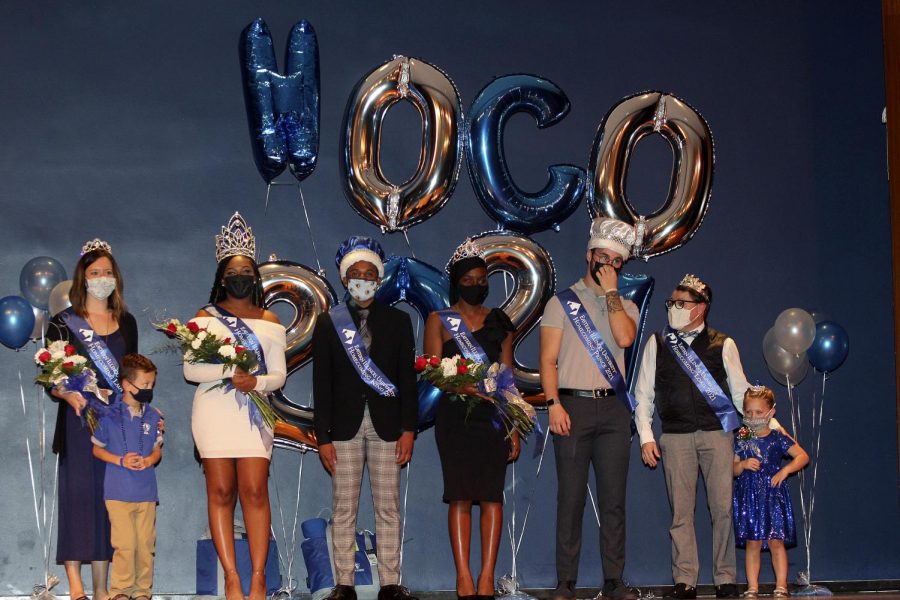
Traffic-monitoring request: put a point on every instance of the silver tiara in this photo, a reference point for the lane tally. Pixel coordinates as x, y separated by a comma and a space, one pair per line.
693, 282
95, 244
468, 249
236, 239
757, 388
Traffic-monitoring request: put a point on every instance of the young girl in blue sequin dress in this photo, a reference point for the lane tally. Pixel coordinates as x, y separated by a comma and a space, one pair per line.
763, 516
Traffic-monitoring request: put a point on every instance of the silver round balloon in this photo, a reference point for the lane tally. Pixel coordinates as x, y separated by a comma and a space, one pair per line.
41, 322
688, 135
304, 290
795, 330
779, 360
392, 206
534, 283
59, 298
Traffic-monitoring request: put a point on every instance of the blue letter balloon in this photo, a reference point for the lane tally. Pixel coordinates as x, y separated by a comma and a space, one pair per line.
16, 321
501, 198
829, 348
282, 110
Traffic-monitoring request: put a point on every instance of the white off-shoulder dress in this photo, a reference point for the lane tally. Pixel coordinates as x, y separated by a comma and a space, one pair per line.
222, 428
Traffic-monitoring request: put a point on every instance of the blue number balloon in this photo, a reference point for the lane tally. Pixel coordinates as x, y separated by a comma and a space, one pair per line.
38, 278
829, 348
426, 289
282, 110
638, 289
16, 321
501, 198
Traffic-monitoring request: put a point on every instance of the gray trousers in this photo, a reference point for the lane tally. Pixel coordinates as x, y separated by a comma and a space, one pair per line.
712, 453
366, 448
600, 436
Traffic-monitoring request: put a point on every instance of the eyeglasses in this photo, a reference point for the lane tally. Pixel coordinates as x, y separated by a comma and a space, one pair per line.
604, 259
679, 304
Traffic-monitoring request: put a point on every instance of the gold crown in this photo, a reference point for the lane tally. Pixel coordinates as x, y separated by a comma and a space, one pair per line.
95, 244
236, 239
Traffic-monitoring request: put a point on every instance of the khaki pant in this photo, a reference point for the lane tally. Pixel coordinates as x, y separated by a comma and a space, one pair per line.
134, 546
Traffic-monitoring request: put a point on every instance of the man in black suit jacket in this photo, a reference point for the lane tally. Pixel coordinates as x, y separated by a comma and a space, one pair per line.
357, 425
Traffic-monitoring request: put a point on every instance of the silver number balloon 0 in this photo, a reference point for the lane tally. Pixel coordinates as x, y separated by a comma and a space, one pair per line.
309, 294
395, 207
681, 214
534, 283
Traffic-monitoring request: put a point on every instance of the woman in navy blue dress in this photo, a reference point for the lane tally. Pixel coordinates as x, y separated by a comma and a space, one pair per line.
83, 528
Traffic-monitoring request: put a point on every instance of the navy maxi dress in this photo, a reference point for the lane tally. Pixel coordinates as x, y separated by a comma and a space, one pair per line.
83, 528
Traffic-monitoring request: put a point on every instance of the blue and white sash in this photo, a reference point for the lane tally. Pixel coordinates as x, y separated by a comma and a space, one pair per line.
596, 347
357, 353
694, 368
463, 336
242, 333
97, 350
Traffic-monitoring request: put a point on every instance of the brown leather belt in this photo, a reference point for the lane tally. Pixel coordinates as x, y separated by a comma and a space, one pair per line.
595, 394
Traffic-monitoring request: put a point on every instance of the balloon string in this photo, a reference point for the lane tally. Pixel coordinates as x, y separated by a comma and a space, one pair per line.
812, 493
408, 245
312, 238
403, 516
268, 191
531, 495
593, 504
291, 552
37, 517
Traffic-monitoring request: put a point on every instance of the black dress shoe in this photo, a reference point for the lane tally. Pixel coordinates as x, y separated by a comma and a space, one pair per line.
615, 589
395, 592
342, 592
727, 590
682, 591
565, 590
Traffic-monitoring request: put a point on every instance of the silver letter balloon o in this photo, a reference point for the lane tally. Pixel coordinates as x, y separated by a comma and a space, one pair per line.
391, 206
687, 133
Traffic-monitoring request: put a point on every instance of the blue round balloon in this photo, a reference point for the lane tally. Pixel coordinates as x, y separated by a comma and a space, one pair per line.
16, 321
829, 348
38, 278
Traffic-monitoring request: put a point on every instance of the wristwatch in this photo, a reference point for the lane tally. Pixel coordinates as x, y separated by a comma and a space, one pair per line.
550, 401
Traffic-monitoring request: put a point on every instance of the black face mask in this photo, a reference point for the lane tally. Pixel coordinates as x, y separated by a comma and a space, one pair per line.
596, 269
143, 396
239, 286
473, 294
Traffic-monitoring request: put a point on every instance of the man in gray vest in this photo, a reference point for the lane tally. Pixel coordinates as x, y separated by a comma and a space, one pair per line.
590, 413
693, 375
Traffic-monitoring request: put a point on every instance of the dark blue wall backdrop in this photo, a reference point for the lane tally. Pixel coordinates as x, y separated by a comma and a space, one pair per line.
126, 121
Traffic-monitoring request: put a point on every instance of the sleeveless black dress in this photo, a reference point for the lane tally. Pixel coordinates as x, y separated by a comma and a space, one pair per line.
473, 451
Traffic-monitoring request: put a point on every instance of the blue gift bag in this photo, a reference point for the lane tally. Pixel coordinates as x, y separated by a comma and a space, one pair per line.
316, 548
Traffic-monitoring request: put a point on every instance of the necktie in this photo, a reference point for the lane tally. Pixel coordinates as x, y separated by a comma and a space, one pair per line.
364, 332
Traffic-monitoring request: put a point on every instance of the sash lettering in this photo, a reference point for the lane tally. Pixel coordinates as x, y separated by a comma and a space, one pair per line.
99, 353
462, 335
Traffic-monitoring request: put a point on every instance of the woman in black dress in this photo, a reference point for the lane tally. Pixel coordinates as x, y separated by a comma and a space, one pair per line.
473, 452
84, 530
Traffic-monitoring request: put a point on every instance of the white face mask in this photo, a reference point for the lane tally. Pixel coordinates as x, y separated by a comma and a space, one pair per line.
679, 318
361, 289
101, 287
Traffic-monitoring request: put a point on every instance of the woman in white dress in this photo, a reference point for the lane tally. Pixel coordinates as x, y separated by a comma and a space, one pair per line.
235, 446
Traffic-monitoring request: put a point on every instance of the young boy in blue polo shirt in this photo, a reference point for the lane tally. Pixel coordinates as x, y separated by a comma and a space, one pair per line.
128, 437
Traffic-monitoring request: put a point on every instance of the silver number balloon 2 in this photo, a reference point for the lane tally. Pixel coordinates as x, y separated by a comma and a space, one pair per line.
681, 214
395, 207
534, 278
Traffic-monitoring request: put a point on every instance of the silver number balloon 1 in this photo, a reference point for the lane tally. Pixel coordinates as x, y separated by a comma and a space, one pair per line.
681, 214
534, 277
395, 207
309, 294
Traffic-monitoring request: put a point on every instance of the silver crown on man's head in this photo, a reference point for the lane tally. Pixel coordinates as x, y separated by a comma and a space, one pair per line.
236, 239
95, 244
693, 282
468, 249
